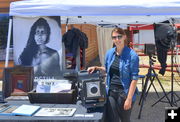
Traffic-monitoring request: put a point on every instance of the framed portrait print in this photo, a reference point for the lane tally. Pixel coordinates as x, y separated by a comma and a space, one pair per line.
17, 81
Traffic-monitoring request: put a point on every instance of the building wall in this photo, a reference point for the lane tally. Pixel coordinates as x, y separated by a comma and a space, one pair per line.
90, 30
4, 5
4, 8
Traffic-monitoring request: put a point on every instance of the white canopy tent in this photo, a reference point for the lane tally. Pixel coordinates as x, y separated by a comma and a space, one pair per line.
103, 11
117, 20
94, 7
96, 11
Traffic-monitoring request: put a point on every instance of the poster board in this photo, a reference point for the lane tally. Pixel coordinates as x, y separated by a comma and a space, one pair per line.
38, 43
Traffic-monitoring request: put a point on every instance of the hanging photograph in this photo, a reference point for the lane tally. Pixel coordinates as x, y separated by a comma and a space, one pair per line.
37, 43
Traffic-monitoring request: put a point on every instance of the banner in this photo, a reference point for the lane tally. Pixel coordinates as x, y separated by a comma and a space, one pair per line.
37, 43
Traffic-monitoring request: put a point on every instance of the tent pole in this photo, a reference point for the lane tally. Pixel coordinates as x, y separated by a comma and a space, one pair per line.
67, 20
8, 42
64, 62
63, 58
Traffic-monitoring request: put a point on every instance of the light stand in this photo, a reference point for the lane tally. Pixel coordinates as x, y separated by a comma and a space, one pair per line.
172, 36
172, 93
149, 77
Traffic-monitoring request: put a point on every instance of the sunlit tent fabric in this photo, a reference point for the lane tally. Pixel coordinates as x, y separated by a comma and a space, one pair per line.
140, 11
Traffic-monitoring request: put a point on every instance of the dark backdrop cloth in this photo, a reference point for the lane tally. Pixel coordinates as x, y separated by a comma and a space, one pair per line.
164, 34
98, 116
73, 39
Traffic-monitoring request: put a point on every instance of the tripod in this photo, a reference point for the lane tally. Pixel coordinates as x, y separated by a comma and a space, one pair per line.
149, 77
172, 93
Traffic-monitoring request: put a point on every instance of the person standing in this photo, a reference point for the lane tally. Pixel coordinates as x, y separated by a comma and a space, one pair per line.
122, 67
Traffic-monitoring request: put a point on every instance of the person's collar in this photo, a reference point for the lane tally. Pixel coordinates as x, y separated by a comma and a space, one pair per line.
124, 48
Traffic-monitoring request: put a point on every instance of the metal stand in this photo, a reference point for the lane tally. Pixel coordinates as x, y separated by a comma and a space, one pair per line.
149, 77
172, 93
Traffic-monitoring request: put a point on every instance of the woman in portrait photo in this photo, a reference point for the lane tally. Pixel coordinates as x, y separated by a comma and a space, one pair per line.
45, 60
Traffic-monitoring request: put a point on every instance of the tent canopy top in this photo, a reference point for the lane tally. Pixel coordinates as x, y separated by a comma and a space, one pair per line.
115, 20
101, 11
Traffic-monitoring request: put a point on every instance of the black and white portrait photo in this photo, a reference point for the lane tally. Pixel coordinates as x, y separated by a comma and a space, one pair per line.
37, 43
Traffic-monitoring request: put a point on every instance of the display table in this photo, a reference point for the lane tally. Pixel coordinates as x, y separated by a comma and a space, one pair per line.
80, 110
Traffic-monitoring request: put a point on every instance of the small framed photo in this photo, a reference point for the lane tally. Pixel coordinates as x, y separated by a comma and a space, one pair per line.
19, 84
18, 81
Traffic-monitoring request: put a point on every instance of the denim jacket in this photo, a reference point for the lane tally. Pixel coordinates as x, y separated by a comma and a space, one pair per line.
128, 67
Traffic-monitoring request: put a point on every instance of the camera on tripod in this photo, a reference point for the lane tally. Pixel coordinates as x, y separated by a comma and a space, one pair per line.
149, 49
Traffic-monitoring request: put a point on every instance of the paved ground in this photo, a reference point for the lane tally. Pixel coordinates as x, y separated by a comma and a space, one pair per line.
157, 112
149, 113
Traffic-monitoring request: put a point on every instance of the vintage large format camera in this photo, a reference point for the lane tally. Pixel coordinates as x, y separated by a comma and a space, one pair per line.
91, 89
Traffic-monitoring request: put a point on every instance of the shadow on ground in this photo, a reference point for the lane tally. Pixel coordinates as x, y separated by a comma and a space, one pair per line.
149, 113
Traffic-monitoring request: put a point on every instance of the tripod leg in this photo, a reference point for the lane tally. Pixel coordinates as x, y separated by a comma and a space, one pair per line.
174, 95
177, 97
139, 116
162, 89
155, 90
153, 87
148, 90
175, 103
159, 100
152, 80
141, 96
144, 89
141, 101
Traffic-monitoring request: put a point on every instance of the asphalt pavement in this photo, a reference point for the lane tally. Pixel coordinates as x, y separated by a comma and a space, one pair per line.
155, 113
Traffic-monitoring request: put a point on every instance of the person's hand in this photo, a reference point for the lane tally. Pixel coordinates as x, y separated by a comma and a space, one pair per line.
91, 69
127, 104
